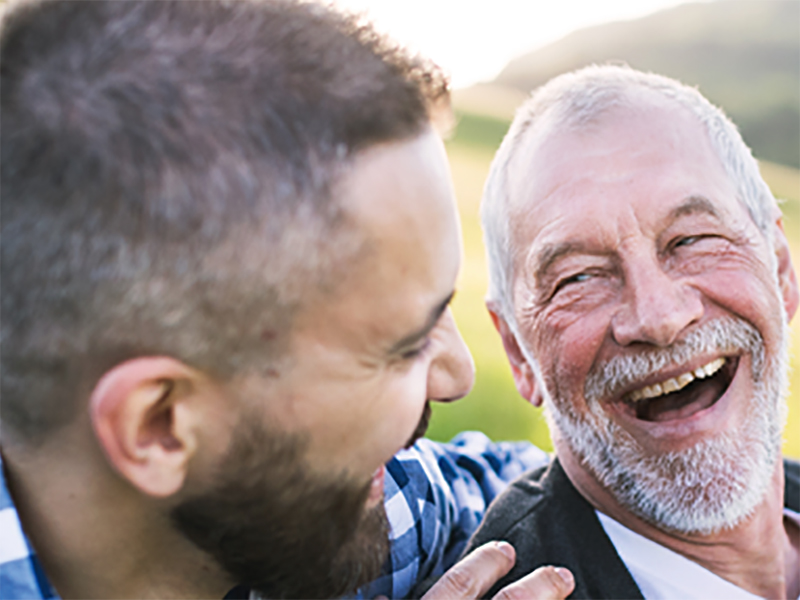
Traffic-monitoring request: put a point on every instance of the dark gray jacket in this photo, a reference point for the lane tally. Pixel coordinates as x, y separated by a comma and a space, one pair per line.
550, 523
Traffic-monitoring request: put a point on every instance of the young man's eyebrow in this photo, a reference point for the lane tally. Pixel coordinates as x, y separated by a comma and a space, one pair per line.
433, 318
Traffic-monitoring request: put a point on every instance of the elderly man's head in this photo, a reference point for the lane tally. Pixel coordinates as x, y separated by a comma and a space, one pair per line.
641, 282
228, 246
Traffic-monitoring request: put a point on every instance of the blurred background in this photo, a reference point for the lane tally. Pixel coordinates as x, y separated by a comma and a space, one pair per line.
743, 55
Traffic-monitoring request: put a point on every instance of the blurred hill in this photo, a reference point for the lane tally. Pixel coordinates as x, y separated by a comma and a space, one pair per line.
744, 55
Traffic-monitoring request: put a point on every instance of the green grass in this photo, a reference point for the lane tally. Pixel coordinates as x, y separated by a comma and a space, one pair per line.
479, 131
494, 406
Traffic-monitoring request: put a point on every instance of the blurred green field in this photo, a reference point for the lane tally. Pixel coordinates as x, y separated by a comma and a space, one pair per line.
494, 406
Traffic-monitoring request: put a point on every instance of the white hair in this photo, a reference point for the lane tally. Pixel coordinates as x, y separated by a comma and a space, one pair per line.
576, 99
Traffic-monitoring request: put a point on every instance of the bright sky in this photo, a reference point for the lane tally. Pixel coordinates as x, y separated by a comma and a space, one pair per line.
474, 39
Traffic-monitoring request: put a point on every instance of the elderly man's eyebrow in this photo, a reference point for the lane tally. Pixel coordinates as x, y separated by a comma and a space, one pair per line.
551, 253
693, 205
433, 318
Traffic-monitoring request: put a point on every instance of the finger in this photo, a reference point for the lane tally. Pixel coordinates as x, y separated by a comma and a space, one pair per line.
545, 583
475, 574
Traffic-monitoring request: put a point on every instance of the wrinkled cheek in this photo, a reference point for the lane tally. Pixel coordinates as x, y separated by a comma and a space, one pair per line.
759, 302
568, 355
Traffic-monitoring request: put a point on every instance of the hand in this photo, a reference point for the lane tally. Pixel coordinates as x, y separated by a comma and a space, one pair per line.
475, 574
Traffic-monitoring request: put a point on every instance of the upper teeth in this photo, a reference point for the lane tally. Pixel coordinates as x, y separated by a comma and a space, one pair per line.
676, 383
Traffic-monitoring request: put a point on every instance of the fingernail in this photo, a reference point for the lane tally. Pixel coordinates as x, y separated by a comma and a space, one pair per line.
565, 574
506, 549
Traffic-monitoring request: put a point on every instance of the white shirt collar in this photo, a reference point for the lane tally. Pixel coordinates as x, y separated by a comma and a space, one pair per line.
661, 573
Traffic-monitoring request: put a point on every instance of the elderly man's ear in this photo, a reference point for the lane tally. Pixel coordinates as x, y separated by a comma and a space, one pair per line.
148, 414
522, 371
787, 278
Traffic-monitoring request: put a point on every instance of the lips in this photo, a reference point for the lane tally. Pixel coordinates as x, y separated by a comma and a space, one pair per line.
682, 395
375, 495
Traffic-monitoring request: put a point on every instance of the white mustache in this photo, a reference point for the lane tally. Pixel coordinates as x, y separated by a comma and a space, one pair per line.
725, 335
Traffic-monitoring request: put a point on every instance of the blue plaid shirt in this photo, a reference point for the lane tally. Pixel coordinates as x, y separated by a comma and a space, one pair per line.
21, 575
436, 494
435, 497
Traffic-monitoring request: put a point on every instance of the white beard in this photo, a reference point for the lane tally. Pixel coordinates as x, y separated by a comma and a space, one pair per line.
708, 487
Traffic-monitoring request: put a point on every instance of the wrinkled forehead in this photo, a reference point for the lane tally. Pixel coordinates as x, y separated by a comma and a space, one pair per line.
643, 138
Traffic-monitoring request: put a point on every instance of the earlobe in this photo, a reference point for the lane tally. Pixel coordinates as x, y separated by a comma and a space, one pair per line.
138, 413
521, 370
787, 277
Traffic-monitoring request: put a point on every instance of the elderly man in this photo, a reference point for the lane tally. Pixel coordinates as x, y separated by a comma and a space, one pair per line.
228, 247
641, 282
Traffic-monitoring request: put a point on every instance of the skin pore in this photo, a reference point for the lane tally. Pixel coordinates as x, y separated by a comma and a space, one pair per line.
633, 241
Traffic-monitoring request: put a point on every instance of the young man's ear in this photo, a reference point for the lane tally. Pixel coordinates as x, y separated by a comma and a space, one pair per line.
522, 371
145, 415
787, 277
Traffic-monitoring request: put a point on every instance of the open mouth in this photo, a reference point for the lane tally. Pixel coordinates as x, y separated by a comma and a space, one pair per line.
682, 396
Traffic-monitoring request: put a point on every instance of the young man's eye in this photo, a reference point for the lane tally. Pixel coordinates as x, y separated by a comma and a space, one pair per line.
419, 350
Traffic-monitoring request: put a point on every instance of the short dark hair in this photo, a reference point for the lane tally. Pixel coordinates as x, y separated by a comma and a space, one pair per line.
148, 150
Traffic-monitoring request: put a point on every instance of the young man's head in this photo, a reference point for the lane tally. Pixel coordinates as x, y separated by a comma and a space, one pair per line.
228, 246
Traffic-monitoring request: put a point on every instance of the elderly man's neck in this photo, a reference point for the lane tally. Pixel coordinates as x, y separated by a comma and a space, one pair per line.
759, 555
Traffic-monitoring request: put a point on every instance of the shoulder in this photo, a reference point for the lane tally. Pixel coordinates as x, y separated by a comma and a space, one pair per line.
517, 512
549, 523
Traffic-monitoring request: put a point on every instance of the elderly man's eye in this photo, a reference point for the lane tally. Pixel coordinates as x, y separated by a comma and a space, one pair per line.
577, 278
687, 241
691, 240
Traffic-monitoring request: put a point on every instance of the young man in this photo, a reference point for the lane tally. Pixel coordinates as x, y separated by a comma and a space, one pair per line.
228, 247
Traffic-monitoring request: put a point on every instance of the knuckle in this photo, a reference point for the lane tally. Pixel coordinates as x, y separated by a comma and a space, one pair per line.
461, 584
473, 575
514, 593
543, 584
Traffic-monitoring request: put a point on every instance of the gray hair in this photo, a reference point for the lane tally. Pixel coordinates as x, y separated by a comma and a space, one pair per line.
576, 99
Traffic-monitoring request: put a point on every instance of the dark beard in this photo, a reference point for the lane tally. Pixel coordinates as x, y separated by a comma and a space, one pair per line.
280, 530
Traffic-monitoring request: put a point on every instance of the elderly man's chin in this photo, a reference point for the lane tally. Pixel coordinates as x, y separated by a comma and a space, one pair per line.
709, 486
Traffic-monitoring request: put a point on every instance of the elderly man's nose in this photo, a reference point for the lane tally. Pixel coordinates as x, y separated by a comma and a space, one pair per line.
656, 308
452, 371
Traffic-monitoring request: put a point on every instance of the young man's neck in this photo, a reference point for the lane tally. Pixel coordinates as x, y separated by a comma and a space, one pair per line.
759, 555
96, 539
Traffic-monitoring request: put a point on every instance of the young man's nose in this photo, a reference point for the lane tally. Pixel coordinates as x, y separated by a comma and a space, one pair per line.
452, 371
